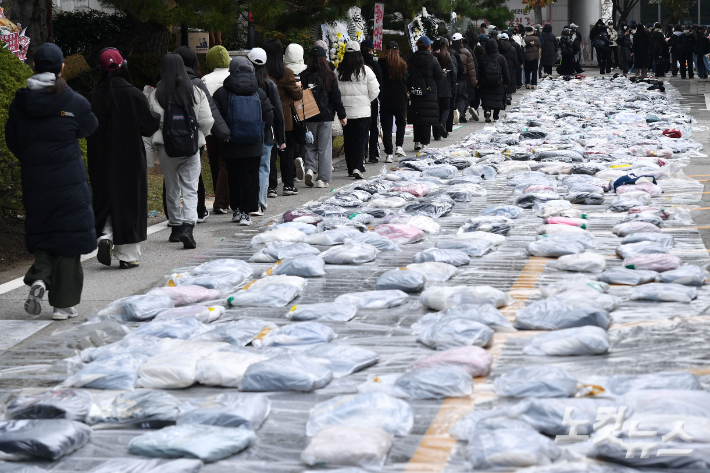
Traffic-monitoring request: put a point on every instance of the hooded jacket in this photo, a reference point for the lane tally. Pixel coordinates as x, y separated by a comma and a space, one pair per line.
393, 92
218, 63
424, 109
288, 92
511, 57
357, 94
242, 81
640, 46
293, 58
493, 96
220, 130
43, 132
203, 112
532, 47
332, 97
469, 64
549, 46
448, 85
372, 63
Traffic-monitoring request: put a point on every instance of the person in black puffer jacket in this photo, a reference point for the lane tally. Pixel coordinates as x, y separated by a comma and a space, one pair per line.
445, 87
661, 50
567, 49
688, 43
220, 130
393, 100
44, 125
511, 57
492, 88
640, 49
423, 111
373, 148
624, 42
549, 49
243, 159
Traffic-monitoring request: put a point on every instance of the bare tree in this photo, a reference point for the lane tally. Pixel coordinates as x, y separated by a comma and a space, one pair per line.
36, 16
622, 8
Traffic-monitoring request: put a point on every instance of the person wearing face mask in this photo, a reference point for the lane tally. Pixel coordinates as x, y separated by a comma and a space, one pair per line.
624, 41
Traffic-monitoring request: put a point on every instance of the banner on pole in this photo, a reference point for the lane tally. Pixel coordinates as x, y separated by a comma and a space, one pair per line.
379, 22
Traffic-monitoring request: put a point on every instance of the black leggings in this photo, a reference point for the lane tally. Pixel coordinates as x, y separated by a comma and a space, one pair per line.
243, 181
355, 142
386, 119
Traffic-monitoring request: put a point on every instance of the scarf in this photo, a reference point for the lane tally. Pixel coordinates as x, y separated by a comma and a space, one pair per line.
43, 80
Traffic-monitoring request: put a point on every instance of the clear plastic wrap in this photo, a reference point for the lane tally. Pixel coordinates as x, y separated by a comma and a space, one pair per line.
560, 229
306, 228
375, 239
112, 372
434, 208
583, 262
492, 224
137, 308
400, 234
70, 404
147, 409
243, 410
373, 299
471, 247
180, 327
41, 439
536, 381
628, 277
301, 215
623, 383
504, 449
548, 247
172, 370
201, 313
271, 291
352, 252
449, 256
442, 171
510, 211
138, 465
586, 198
348, 446
324, 311
474, 360
435, 272
435, 383
452, 332
280, 234
660, 292
579, 341
441, 298
640, 248
304, 266
653, 262
550, 314
404, 280
286, 373
417, 189
662, 239
625, 229
343, 359
332, 237
302, 333
687, 275
207, 442
239, 333
187, 295
224, 368
277, 250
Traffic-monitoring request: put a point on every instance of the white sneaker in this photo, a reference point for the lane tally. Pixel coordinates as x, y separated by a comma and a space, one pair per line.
417, 146
424, 147
309, 178
389, 158
321, 184
33, 304
358, 174
300, 170
400, 151
245, 220
204, 217
64, 314
474, 113
237, 216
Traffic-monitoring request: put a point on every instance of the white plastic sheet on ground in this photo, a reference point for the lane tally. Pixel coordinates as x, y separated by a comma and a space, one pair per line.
350, 446
579, 341
441, 298
227, 410
536, 381
286, 373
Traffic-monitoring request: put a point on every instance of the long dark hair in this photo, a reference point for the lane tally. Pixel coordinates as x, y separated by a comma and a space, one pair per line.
442, 55
108, 76
352, 65
396, 66
189, 58
261, 75
174, 84
274, 58
59, 85
319, 65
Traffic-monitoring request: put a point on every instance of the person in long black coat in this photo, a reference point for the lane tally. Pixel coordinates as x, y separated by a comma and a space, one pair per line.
566, 67
511, 57
639, 49
661, 50
44, 125
446, 87
423, 111
702, 47
117, 162
393, 100
492, 93
549, 49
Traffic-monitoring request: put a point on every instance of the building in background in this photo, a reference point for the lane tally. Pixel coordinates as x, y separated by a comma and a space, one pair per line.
651, 12
79, 5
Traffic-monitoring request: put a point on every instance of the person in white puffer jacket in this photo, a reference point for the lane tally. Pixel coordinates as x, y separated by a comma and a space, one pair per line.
358, 88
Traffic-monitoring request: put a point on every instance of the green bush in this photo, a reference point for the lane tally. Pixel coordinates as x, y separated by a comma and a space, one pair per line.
13, 75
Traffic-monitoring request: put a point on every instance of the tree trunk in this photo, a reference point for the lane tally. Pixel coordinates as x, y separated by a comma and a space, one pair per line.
538, 14
36, 16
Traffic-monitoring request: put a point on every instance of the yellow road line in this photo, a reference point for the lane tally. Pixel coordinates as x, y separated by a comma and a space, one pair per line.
698, 175
435, 449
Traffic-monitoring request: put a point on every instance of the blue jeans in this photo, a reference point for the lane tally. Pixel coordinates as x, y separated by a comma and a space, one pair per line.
264, 168
706, 61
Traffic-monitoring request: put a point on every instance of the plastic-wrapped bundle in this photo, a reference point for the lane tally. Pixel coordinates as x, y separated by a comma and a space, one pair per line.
207, 442
432, 208
554, 247
239, 333
442, 171
181, 327
583, 187
641, 248
493, 224
332, 237
422, 222
41, 439
486, 172
225, 368
138, 308
648, 217
528, 200
222, 266
567, 155
152, 409
70, 404
435, 383
584, 262
417, 189
441, 298
472, 247
304, 266
304, 333
345, 201
578, 341
625, 205
187, 295
653, 262
661, 239
115, 372
536, 381
453, 257
343, 359
373, 187
664, 292
328, 210
271, 291
507, 449
550, 314
403, 280
575, 222
435, 272
325, 312
662, 213
277, 250
139, 465
400, 234
510, 211
698, 459
584, 238
587, 297
492, 419
577, 283
629, 277
386, 202
373, 299
560, 211
687, 275
474, 360
348, 446
623, 383
172, 370
352, 252
451, 332
301, 215
648, 187
557, 229
377, 410
286, 373
625, 229
306, 228
375, 239
223, 283
586, 198
587, 168
483, 313
280, 234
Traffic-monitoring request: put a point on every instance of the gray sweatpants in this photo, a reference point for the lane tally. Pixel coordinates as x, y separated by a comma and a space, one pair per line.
319, 154
181, 176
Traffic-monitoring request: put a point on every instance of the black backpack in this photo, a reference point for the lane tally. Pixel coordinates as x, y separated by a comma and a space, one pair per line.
417, 84
180, 131
460, 74
492, 75
566, 47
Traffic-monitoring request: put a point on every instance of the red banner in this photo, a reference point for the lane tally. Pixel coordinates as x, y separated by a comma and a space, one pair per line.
379, 21
11, 40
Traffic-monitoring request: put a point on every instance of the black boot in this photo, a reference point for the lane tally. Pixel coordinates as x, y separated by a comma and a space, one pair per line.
186, 237
175, 233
